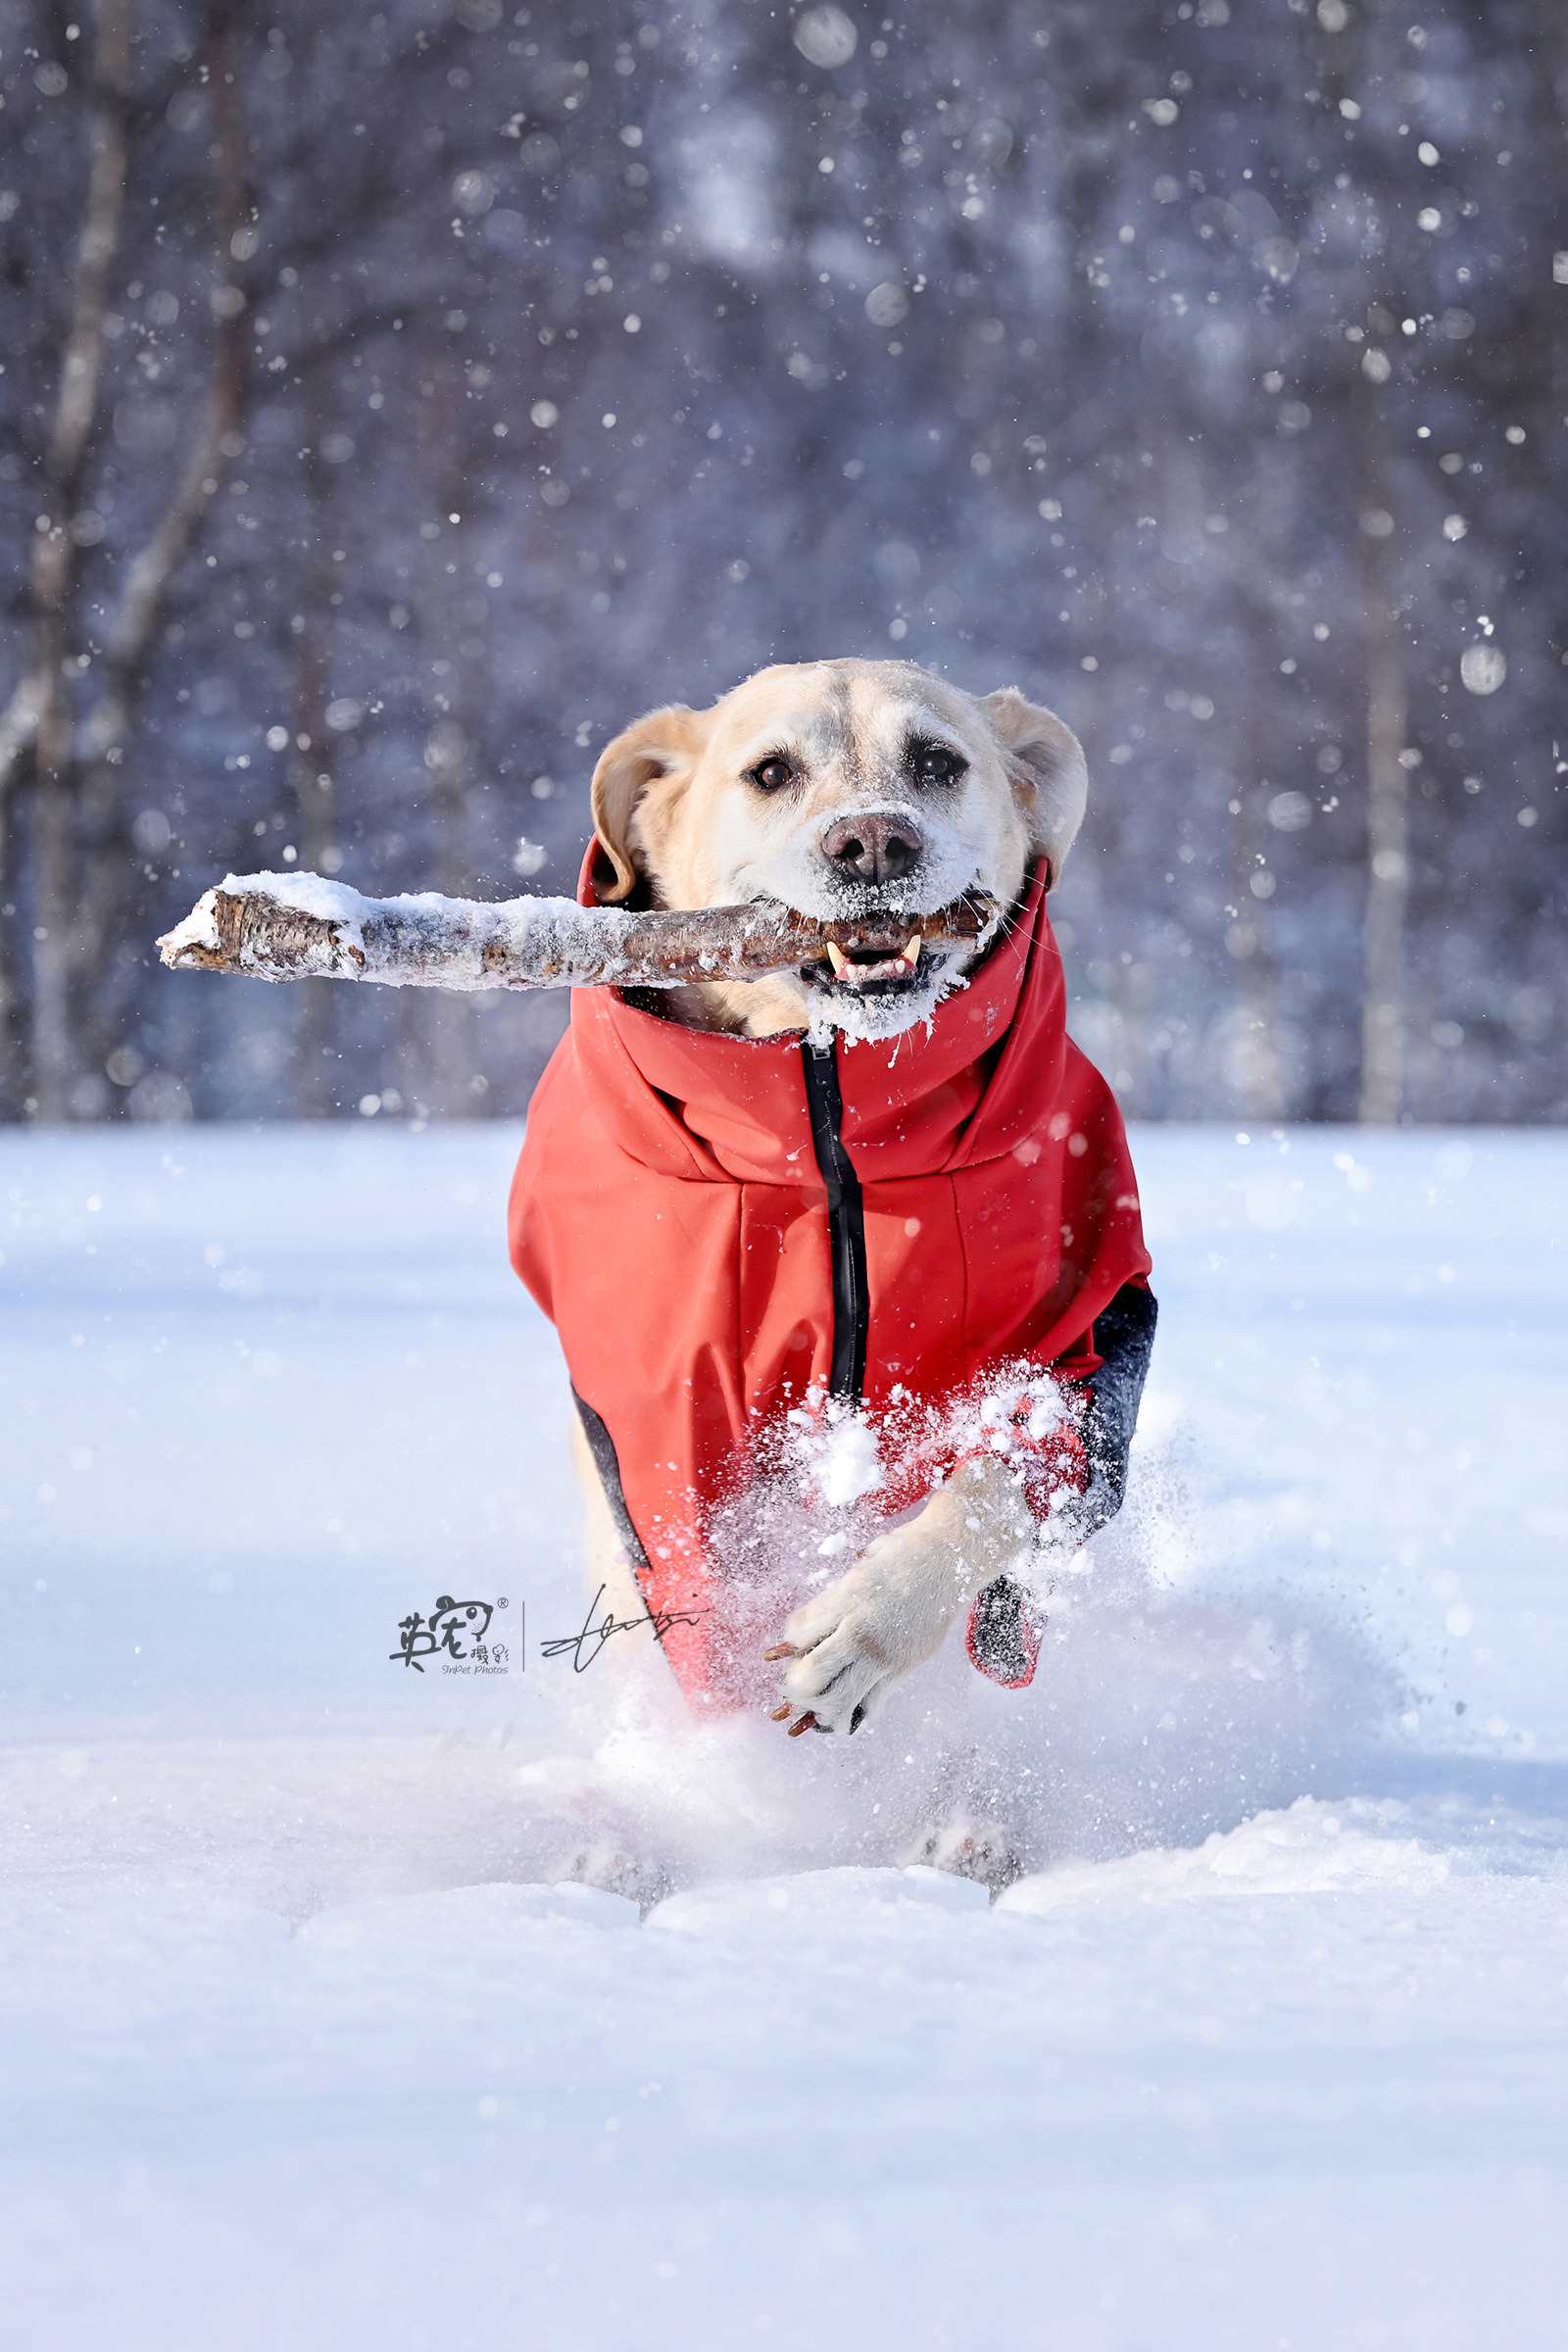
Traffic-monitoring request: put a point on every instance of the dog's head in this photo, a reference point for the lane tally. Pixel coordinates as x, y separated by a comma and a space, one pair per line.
842, 789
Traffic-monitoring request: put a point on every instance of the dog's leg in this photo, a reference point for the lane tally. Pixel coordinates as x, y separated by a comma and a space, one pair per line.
851, 1644
632, 1673
604, 1552
612, 1574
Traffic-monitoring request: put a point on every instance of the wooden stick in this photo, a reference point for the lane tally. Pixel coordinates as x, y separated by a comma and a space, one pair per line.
300, 926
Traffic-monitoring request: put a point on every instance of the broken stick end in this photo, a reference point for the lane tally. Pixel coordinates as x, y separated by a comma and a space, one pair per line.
194, 943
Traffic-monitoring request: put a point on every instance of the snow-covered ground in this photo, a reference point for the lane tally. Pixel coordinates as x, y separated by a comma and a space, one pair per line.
300, 2048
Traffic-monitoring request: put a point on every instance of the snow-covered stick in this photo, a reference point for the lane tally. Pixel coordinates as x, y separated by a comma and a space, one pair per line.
300, 926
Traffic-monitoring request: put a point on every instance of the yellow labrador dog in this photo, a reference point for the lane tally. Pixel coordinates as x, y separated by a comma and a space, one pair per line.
838, 787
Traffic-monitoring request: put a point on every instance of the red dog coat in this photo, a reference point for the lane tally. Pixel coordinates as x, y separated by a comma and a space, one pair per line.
722, 1229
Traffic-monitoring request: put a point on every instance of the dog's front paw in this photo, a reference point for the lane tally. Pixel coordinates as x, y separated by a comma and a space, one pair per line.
849, 1645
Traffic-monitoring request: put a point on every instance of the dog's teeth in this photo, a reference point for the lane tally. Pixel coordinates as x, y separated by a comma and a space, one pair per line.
911, 950
837, 958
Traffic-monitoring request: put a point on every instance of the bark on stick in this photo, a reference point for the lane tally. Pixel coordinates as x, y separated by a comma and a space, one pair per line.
300, 926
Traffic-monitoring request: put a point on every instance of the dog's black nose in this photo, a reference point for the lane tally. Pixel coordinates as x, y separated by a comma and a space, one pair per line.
877, 848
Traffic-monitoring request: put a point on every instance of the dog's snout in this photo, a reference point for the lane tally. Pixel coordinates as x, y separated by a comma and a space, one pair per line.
880, 846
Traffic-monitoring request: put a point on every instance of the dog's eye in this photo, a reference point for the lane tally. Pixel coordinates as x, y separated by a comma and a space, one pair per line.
771, 775
933, 764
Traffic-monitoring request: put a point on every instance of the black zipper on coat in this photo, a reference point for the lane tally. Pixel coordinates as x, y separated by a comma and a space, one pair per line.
846, 1222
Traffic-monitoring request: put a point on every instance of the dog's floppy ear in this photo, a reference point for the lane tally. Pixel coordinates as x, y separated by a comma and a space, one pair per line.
666, 743
1046, 762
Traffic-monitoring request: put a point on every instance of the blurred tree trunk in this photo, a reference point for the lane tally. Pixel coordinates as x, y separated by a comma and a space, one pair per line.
82, 868
47, 694
441, 1033
1388, 788
108, 876
1259, 1071
311, 774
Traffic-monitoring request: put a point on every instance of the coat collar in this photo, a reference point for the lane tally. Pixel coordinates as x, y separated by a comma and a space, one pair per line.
967, 1088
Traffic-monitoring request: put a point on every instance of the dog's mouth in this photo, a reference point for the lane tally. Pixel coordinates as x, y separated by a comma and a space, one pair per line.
887, 953
872, 971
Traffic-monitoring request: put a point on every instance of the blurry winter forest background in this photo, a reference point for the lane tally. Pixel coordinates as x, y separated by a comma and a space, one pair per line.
397, 400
